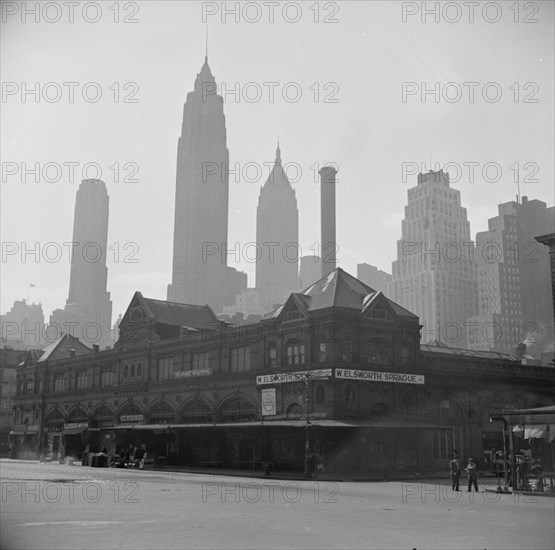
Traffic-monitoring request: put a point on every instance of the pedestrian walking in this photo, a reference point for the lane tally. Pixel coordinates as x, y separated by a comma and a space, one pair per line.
455, 472
472, 471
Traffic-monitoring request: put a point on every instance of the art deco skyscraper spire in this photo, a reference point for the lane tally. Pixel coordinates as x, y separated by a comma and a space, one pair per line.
200, 274
277, 237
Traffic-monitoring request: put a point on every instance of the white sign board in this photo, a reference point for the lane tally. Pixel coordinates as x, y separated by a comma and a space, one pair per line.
192, 373
269, 401
131, 418
76, 425
284, 377
371, 376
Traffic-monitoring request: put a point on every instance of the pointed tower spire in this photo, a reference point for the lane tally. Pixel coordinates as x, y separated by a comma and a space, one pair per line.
278, 154
206, 51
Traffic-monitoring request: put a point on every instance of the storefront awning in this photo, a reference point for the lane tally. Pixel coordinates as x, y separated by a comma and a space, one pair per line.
382, 424
542, 415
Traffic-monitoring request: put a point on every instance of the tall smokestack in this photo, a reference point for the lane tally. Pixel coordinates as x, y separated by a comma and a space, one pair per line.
327, 212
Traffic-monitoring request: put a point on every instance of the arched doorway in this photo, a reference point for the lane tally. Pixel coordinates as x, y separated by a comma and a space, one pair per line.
75, 428
53, 425
243, 444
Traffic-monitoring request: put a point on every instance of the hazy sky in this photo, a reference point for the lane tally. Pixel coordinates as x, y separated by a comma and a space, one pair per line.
361, 61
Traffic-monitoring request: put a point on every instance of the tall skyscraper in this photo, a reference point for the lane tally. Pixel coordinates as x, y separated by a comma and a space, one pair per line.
23, 326
514, 281
200, 274
88, 304
277, 238
434, 275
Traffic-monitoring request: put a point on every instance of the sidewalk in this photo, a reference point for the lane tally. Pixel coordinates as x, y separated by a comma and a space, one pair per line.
298, 475
547, 492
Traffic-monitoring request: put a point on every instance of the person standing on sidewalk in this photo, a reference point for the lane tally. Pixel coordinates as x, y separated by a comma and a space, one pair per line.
455, 472
472, 471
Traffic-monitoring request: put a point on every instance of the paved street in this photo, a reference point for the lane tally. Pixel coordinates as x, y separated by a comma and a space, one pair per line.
59, 506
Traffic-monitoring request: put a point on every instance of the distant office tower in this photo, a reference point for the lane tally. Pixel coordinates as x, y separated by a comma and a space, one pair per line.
327, 219
514, 281
88, 306
200, 274
23, 326
549, 241
434, 275
247, 306
310, 271
374, 277
277, 239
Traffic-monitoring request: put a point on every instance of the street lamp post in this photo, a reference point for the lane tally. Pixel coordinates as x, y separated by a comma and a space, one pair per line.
307, 468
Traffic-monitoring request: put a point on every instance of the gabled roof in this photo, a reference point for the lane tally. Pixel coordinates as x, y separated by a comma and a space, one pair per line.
337, 289
31, 357
295, 300
173, 313
341, 290
60, 349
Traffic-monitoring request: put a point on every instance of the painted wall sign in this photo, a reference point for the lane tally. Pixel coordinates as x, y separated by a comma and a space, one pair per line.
192, 373
372, 376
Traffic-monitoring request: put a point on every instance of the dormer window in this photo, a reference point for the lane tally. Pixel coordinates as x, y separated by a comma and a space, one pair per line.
295, 354
293, 315
378, 353
378, 312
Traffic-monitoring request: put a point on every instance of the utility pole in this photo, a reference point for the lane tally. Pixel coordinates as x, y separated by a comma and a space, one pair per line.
307, 468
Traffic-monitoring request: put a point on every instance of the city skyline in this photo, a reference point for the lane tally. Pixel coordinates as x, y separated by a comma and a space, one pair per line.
369, 133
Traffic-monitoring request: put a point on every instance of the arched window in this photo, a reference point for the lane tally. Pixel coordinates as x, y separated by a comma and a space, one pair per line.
125, 371
132, 370
196, 412
238, 410
161, 413
139, 369
378, 353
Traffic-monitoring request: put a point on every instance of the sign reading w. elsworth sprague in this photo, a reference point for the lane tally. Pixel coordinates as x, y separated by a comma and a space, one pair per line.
284, 377
372, 376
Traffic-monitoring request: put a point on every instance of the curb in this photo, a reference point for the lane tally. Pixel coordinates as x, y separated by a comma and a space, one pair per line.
547, 494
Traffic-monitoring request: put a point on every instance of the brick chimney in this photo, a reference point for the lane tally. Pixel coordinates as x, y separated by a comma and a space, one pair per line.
327, 220
520, 349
